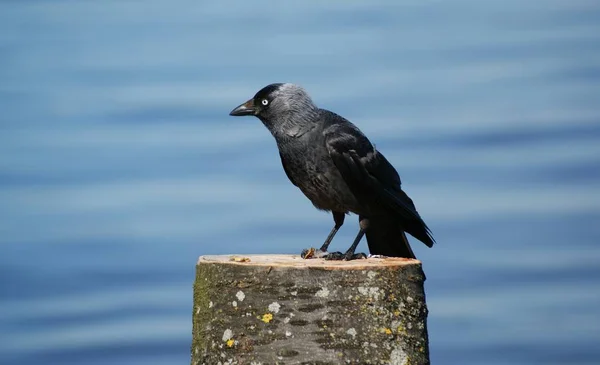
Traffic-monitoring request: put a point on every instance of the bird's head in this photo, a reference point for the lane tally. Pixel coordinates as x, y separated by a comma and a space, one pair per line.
277, 104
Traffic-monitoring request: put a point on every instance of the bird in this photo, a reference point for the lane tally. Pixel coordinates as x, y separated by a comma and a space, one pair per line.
340, 171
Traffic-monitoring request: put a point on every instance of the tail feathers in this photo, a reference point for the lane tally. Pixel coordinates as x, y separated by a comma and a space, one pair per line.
420, 231
413, 223
405, 241
385, 237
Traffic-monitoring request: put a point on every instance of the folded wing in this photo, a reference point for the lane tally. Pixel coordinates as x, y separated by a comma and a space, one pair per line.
371, 178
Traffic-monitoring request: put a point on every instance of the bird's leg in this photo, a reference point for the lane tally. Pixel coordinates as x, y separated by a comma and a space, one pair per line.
350, 255
338, 218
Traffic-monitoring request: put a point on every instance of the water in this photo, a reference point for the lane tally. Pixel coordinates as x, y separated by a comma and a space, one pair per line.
119, 164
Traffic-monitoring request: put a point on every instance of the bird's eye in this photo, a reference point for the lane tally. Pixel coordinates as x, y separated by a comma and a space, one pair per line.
264, 102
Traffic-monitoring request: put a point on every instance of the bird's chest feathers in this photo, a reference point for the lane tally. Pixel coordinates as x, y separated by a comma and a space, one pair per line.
303, 160
311, 169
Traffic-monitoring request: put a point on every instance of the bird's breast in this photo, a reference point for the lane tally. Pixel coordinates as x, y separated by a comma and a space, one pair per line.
313, 171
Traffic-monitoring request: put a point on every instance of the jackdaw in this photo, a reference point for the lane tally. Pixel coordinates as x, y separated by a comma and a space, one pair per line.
339, 170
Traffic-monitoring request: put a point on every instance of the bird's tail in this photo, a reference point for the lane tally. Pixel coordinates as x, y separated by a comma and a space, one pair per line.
419, 230
386, 237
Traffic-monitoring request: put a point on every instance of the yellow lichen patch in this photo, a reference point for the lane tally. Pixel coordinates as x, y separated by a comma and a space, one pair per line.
401, 329
397, 313
387, 331
230, 342
267, 317
239, 259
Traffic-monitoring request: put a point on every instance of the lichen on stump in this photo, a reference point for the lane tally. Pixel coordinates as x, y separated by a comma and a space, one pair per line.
281, 309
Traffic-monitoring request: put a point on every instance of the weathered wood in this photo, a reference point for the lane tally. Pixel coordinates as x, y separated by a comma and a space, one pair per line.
281, 309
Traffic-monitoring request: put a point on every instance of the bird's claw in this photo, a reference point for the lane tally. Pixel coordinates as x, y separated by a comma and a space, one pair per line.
334, 256
348, 256
358, 256
377, 257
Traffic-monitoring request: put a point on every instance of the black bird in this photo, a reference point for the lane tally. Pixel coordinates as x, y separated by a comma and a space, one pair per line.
339, 170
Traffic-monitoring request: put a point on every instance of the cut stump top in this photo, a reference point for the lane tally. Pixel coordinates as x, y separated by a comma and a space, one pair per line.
298, 262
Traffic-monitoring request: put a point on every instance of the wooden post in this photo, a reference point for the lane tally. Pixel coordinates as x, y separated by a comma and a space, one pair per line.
281, 309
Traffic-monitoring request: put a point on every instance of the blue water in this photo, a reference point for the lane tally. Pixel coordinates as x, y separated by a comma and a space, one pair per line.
119, 164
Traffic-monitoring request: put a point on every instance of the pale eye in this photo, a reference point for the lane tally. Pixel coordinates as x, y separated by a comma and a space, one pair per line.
264, 102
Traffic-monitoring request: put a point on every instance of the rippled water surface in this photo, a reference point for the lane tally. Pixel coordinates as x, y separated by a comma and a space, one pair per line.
119, 164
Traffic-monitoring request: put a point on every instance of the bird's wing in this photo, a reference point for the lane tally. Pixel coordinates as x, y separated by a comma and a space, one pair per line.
287, 171
366, 171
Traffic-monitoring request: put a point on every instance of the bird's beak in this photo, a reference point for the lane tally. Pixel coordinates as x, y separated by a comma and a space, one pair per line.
245, 109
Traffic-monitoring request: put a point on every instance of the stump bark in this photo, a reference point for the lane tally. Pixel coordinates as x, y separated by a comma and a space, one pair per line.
281, 309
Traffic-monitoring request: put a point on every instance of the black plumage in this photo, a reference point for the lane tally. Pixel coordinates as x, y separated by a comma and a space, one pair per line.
338, 169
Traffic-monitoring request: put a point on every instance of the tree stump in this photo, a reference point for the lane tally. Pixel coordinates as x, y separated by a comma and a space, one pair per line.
282, 309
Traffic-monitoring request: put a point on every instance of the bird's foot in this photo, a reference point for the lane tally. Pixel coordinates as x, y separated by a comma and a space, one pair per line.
377, 257
348, 256
334, 256
356, 256
313, 253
